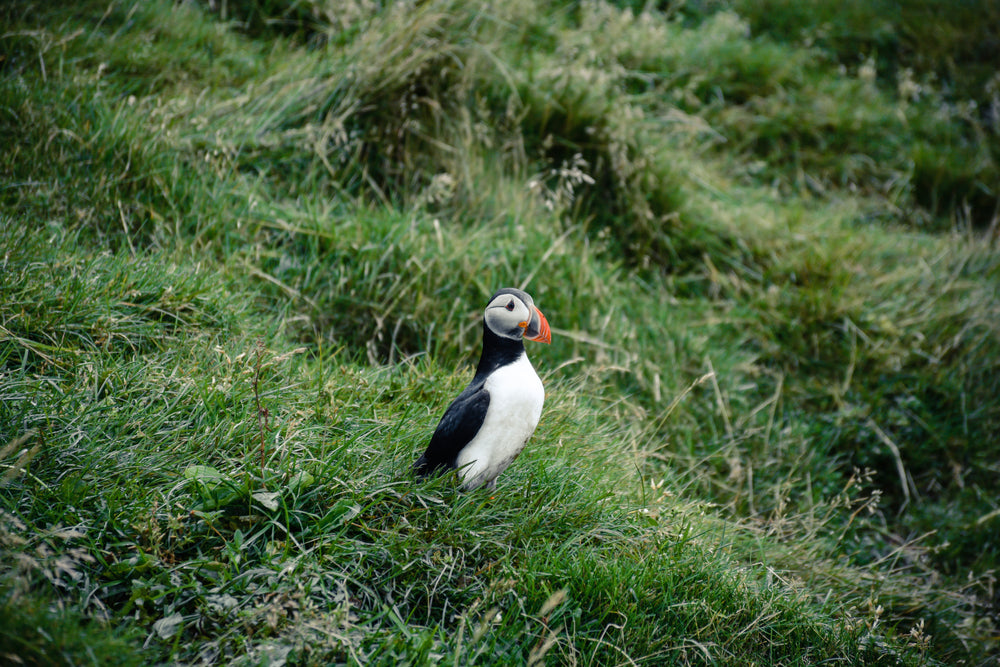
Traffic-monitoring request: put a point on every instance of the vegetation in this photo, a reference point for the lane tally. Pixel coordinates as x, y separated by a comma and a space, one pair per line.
244, 247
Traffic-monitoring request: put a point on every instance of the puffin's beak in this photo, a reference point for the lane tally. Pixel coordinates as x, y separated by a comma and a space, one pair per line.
537, 328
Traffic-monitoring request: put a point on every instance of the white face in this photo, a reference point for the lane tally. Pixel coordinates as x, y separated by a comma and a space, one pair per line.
507, 316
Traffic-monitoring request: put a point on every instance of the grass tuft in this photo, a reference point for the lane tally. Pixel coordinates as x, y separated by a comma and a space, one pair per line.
245, 247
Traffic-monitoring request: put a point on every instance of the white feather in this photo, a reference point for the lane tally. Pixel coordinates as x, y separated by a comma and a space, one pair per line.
516, 398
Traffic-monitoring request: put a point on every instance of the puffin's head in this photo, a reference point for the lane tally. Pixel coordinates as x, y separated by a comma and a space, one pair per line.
511, 313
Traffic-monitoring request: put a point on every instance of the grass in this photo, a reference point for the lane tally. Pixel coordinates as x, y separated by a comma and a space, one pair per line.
244, 253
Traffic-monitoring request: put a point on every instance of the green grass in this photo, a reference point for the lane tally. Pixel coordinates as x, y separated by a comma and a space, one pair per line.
243, 256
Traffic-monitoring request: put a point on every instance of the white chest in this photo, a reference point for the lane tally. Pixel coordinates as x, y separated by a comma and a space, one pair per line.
516, 399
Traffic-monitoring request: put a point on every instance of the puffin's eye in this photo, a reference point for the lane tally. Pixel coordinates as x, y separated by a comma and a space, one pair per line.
510, 305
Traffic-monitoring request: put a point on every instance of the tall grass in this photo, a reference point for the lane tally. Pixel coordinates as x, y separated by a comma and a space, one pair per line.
934, 63
244, 257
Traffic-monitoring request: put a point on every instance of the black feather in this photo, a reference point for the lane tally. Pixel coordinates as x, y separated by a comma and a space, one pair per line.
464, 417
459, 425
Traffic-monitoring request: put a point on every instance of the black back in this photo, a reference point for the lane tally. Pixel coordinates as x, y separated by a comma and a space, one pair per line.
464, 417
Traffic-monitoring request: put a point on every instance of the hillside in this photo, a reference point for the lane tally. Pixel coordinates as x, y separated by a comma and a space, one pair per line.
244, 251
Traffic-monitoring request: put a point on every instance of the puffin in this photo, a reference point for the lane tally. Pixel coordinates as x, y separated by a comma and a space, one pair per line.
489, 423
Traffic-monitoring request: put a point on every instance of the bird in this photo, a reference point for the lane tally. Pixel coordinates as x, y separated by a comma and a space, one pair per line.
488, 424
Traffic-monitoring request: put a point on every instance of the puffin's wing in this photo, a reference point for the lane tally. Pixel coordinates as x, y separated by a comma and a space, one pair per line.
459, 425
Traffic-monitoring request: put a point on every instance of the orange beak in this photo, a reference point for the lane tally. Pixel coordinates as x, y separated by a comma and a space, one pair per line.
537, 329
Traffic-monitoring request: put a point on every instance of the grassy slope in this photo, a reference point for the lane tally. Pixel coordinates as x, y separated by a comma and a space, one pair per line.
218, 242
